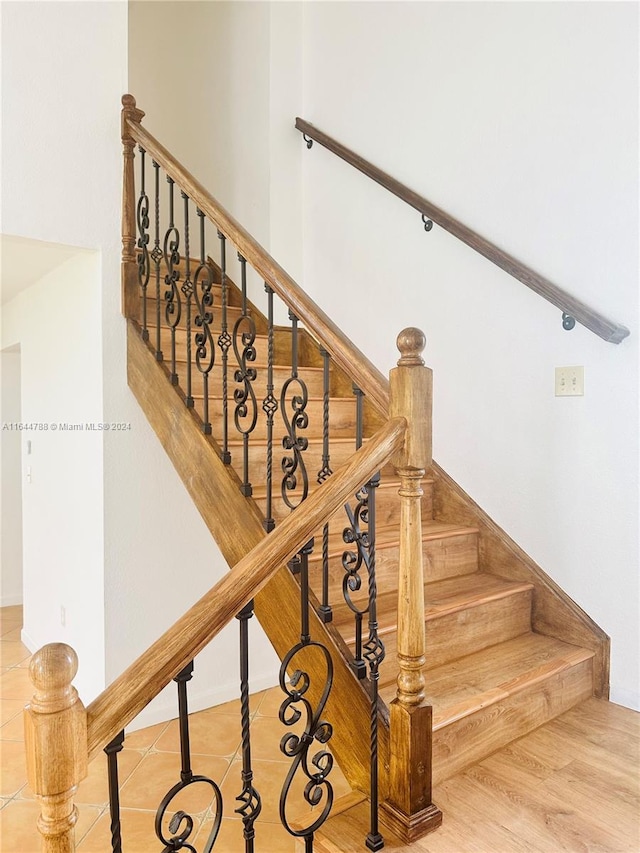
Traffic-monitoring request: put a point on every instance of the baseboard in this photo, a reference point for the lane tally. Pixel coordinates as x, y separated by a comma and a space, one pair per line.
161, 712
28, 642
11, 600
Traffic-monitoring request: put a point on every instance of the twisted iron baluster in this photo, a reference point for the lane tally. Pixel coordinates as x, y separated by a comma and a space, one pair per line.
112, 749
172, 295
246, 412
374, 655
318, 790
270, 407
324, 609
251, 804
156, 255
293, 466
144, 267
187, 291
205, 348
224, 342
181, 825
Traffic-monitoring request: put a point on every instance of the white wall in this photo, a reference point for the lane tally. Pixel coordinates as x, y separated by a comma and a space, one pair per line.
11, 500
521, 119
64, 69
62, 498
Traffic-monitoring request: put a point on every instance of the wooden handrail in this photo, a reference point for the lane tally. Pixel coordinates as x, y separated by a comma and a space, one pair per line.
321, 327
608, 330
116, 706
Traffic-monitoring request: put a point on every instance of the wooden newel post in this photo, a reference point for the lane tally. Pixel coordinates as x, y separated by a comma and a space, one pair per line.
409, 808
130, 289
55, 726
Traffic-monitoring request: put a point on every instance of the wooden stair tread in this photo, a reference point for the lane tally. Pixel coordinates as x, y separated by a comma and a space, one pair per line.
460, 688
441, 597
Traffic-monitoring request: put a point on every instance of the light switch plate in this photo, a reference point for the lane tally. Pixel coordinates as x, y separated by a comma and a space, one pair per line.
569, 381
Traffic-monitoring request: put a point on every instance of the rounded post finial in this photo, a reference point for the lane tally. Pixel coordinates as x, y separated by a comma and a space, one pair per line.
128, 102
51, 670
411, 343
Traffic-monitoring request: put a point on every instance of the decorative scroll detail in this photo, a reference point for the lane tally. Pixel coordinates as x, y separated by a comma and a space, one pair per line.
187, 291
357, 534
318, 791
205, 347
144, 266
246, 412
181, 824
173, 309
293, 467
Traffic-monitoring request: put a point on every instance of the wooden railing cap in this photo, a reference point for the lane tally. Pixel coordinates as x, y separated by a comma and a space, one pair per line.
411, 343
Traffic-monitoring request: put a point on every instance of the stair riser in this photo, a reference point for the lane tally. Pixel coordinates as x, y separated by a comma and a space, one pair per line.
472, 738
454, 635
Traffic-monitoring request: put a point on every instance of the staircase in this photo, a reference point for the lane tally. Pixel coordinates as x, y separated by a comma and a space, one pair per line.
490, 677
277, 432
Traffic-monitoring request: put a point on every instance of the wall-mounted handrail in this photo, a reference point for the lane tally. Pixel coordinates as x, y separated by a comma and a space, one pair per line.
607, 329
322, 328
116, 706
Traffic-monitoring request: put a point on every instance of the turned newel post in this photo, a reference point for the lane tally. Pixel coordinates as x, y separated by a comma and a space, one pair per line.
409, 808
130, 296
55, 725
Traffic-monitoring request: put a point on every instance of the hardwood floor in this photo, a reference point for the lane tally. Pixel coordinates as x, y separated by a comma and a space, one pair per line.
572, 785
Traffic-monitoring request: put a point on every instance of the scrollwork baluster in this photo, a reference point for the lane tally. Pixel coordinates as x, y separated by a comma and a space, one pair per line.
246, 411
181, 825
156, 256
205, 348
173, 307
293, 466
144, 266
318, 791
324, 609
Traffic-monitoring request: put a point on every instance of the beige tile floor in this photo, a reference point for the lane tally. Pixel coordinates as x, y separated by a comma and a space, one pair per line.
148, 767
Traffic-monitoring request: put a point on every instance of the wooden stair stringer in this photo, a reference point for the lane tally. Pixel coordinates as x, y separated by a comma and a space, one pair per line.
214, 489
554, 612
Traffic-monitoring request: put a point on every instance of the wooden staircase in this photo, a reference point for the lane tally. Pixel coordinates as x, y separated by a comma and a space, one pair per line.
491, 677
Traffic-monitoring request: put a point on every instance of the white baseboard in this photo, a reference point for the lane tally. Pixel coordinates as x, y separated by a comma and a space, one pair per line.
11, 600
198, 701
28, 642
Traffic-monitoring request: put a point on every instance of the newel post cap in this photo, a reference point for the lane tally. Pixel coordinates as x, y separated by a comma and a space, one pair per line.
411, 343
51, 670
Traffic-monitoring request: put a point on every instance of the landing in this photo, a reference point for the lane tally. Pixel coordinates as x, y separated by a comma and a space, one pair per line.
571, 785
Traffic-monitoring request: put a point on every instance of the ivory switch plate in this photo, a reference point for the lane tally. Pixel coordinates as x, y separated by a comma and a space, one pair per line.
569, 381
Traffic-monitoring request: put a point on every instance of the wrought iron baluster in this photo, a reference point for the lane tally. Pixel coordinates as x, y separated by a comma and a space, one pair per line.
112, 749
205, 348
293, 467
246, 411
172, 294
374, 655
144, 266
187, 292
359, 395
270, 407
181, 825
318, 791
156, 255
251, 804
324, 609
224, 342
